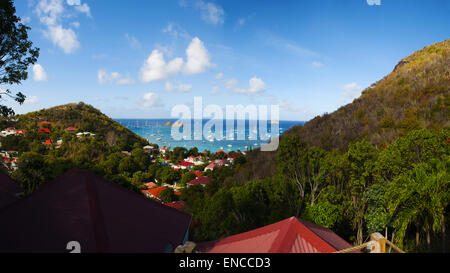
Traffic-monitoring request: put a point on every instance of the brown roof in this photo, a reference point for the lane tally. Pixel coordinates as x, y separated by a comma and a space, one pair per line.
102, 216
8, 190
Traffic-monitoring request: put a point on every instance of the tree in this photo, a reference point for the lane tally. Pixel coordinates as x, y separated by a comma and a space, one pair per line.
187, 177
168, 195
16, 53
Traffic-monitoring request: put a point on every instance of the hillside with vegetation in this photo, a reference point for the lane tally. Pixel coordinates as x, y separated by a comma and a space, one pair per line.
415, 95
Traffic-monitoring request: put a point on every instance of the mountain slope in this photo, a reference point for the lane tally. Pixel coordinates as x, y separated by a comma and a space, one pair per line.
414, 95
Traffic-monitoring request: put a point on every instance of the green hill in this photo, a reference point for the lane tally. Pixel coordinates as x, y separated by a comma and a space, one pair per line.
414, 95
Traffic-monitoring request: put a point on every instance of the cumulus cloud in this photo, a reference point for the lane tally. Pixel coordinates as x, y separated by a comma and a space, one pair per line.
156, 68
51, 13
116, 78
219, 76
255, 86
65, 38
39, 73
350, 91
198, 58
230, 83
31, 100
211, 13
373, 2
287, 105
176, 31
150, 100
178, 87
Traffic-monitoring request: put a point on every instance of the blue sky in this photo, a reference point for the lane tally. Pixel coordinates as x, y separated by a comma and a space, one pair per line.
137, 59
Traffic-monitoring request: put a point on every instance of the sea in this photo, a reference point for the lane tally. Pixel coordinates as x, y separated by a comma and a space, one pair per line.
157, 131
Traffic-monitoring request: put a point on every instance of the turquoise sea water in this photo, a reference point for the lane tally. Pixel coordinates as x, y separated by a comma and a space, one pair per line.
156, 132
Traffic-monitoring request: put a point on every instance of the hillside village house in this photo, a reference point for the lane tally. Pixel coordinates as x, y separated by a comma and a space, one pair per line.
202, 180
215, 164
163, 150
196, 160
184, 165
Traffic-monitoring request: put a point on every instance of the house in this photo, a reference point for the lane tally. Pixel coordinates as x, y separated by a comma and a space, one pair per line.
196, 160
202, 180
148, 149
71, 129
221, 152
184, 165
44, 123
47, 142
95, 215
215, 164
20, 132
292, 235
126, 153
176, 205
150, 185
153, 192
232, 157
163, 150
197, 173
44, 130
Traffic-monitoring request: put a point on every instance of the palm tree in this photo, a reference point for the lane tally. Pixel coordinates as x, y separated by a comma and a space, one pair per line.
419, 198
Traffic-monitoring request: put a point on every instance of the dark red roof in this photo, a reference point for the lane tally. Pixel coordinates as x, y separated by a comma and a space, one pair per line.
44, 122
71, 128
8, 190
202, 180
234, 156
288, 236
185, 164
176, 205
44, 130
47, 142
100, 215
221, 151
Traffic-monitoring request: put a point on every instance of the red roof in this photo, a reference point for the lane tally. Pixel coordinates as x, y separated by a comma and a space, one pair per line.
203, 180
44, 122
176, 205
197, 173
292, 235
155, 191
185, 164
71, 128
221, 151
21, 132
234, 156
150, 185
177, 192
44, 130
47, 142
82, 206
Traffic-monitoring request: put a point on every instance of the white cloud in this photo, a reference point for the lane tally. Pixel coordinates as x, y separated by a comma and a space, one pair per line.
176, 31
65, 38
350, 91
374, 2
39, 73
133, 41
317, 64
211, 13
31, 100
84, 8
150, 100
156, 68
178, 87
73, 2
51, 13
215, 90
230, 83
219, 76
255, 86
116, 78
198, 58
75, 24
